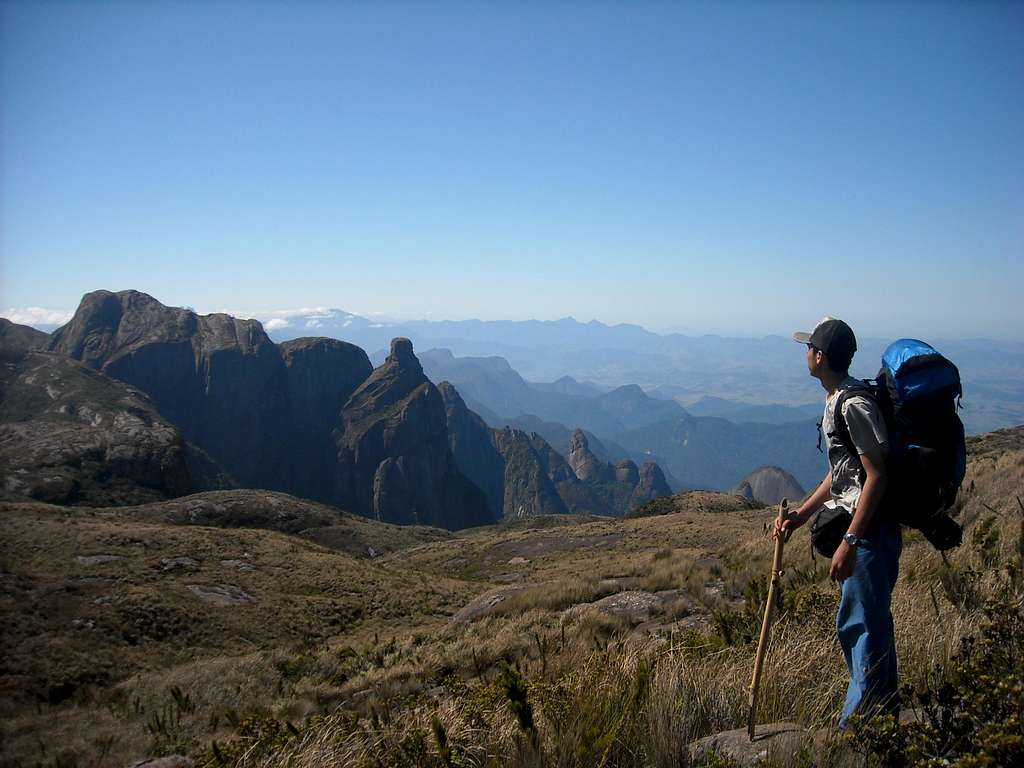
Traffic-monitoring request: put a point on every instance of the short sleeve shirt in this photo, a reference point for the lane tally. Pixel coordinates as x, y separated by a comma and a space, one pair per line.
868, 435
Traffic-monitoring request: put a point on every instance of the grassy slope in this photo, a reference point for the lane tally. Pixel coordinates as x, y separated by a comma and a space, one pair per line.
73, 628
343, 660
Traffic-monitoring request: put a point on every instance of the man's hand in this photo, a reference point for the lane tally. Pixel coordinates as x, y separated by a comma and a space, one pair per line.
794, 520
843, 562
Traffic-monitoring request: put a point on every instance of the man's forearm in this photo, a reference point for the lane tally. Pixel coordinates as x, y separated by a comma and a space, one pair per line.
821, 494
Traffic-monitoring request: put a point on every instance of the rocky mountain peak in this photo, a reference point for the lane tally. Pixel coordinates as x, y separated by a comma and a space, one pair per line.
393, 454
578, 441
390, 383
402, 354
652, 483
584, 463
626, 472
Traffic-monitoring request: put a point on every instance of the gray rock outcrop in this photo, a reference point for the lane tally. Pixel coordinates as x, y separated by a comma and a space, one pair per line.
585, 464
769, 485
69, 435
650, 485
219, 379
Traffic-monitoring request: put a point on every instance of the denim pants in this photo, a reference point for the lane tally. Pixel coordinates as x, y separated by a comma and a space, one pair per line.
865, 628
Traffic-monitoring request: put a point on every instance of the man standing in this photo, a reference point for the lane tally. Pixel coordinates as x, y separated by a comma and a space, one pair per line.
866, 563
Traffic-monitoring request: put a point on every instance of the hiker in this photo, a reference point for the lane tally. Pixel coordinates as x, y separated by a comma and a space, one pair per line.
866, 561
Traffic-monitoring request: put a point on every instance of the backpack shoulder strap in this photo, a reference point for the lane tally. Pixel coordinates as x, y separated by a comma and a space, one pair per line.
862, 389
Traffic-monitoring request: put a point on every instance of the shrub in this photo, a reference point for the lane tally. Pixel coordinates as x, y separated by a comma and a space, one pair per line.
970, 712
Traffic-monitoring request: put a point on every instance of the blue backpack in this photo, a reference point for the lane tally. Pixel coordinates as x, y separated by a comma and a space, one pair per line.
918, 392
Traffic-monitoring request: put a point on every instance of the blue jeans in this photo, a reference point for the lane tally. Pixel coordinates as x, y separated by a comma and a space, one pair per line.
865, 628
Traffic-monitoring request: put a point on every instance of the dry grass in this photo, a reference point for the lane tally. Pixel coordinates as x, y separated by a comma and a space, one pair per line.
405, 686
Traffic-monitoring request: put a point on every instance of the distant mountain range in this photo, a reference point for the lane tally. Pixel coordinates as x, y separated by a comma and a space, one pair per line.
133, 401
695, 451
761, 371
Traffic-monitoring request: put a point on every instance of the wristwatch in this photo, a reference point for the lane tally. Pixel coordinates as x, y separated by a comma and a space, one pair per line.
852, 540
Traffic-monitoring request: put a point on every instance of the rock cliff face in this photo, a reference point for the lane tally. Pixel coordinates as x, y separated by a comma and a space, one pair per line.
524, 476
769, 485
585, 464
310, 417
651, 485
321, 375
69, 435
394, 461
622, 487
474, 448
220, 380
521, 474
529, 486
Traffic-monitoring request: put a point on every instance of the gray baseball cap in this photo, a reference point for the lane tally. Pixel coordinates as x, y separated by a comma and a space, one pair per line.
833, 337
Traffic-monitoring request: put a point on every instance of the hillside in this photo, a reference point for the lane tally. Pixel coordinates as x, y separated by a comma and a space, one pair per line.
144, 630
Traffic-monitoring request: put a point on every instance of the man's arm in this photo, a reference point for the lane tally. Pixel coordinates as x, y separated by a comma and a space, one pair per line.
802, 514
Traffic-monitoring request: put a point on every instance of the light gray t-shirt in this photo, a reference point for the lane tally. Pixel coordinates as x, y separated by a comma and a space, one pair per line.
867, 432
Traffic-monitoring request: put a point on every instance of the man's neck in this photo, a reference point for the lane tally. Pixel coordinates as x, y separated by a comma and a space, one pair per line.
830, 381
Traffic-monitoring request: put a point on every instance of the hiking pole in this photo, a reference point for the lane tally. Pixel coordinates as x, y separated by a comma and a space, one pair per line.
766, 624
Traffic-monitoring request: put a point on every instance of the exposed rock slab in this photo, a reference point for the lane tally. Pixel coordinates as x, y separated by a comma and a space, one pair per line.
69, 435
772, 741
485, 603
221, 594
634, 606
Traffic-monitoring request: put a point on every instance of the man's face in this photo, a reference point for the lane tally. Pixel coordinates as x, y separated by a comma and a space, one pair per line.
815, 360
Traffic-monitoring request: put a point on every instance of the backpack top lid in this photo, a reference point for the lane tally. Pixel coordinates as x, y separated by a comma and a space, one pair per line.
903, 351
917, 369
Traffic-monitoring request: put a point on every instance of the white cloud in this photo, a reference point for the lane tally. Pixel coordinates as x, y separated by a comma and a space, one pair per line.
276, 324
313, 323
37, 316
283, 314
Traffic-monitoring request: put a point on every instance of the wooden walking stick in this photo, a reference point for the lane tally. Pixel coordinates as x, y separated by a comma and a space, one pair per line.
766, 624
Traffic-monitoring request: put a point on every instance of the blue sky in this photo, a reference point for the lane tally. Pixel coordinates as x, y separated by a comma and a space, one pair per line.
725, 168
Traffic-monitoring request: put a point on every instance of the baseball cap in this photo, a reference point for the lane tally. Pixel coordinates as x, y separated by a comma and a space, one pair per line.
833, 337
